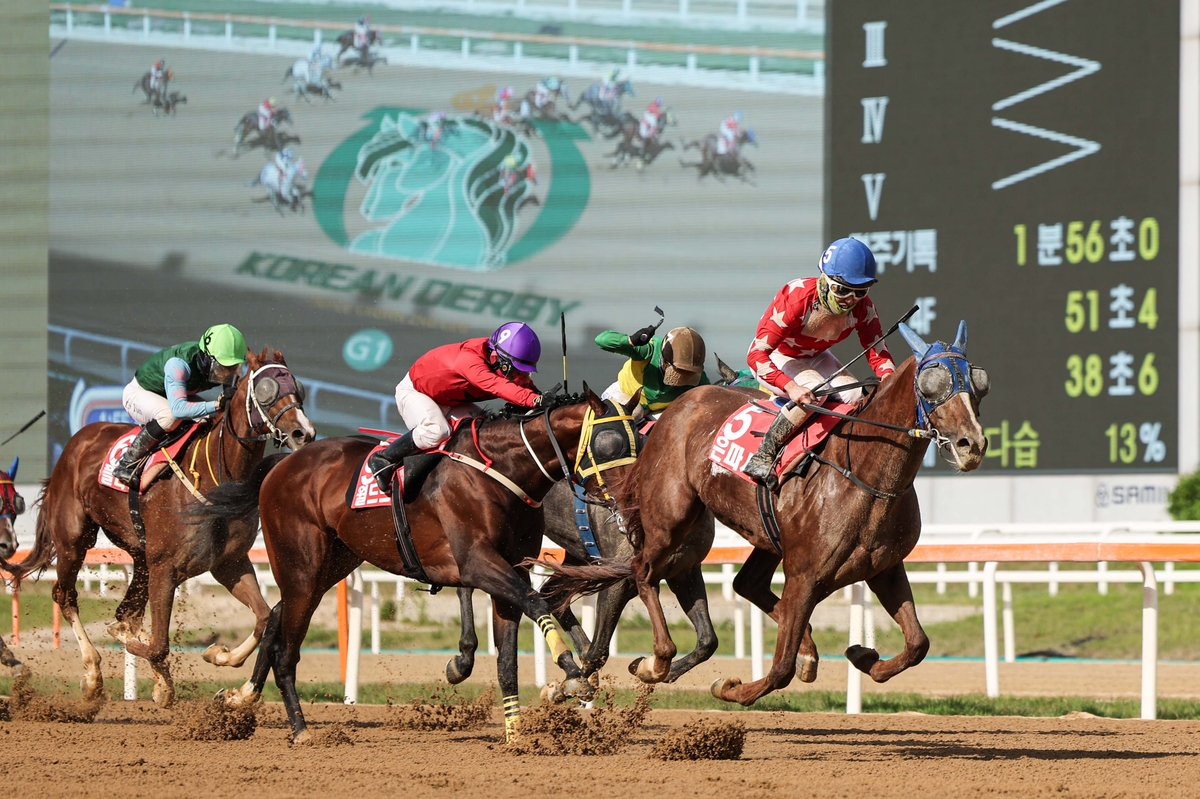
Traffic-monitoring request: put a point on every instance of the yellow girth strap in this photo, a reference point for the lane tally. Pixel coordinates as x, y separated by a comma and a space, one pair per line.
183, 478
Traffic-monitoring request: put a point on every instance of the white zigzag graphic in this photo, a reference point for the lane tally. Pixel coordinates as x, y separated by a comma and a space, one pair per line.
1085, 67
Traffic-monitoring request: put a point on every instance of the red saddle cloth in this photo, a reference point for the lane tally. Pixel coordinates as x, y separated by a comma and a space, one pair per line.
736, 441
366, 490
154, 464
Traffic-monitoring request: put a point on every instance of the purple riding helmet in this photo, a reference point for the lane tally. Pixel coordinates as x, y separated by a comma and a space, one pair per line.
517, 344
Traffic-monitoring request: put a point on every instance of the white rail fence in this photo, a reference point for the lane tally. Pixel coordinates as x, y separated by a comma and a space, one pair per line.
748, 68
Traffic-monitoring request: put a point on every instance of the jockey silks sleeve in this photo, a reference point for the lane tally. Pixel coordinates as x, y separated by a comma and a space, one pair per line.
788, 326
643, 370
460, 372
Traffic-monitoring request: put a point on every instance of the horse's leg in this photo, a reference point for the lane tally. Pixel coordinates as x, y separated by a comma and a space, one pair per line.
566, 618
658, 667
753, 581
794, 609
507, 618
459, 667
300, 595
7, 658
132, 608
163, 582
74, 533
895, 594
609, 604
240, 579
693, 598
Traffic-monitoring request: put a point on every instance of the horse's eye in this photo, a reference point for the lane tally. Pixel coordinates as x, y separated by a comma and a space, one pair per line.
935, 383
980, 381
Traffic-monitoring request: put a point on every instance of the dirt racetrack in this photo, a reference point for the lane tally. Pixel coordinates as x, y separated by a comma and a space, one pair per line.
131, 750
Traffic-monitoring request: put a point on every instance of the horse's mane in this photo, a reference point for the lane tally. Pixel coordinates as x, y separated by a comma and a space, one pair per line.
510, 411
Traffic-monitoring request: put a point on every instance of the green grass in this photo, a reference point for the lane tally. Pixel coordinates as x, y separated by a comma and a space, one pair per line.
787, 701
500, 24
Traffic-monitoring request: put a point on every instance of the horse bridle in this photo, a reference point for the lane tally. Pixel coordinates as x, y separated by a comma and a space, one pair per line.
269, 387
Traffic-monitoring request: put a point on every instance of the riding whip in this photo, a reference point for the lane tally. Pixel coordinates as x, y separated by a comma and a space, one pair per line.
889, 332
28, 425
562, 322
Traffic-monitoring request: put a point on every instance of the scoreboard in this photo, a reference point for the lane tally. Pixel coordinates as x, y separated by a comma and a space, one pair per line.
1016, 165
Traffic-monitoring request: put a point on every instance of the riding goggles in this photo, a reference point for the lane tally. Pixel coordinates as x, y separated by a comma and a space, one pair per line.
842, 291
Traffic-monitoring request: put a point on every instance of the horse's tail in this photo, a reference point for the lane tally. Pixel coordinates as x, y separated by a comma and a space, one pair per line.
43, 545
237, 501
570, 582
287, 75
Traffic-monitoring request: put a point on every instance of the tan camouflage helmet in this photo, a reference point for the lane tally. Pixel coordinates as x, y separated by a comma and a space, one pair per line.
683, 357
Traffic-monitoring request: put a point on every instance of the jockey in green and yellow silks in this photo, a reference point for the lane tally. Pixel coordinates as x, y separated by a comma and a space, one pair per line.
662, 367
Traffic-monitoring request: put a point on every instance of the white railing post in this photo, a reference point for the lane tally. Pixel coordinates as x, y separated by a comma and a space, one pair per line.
630, 59
271, 36
573, 54
414, 43
802, 10
491, 617
941, 584
187, 25
316, 37
626, 7
991, 661
973, 585
145, 26
868, 618
754, 69
1010, 636
70, 19
539, 639
353, 635
683, 9
1053, 584
1102, 585
466, 48
853, 675
691, 62
587, 616
741, 11
1168, 583
739, 629
375, 617
228, 29
130, 688
612, 642
572, 6
517, 51
107, 22
756, 642
103, 580
262, 577
727, 582
1149, 641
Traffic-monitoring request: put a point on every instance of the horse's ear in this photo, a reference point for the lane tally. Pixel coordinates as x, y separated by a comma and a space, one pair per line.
918, 345
279, 358
634, 401
960, 340
596, 404
728, 376
12, 470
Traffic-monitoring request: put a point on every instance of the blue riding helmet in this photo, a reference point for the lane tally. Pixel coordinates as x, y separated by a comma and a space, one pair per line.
848, 261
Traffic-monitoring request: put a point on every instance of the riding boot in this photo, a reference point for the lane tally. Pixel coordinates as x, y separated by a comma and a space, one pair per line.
383, 462
761, 465
146, 442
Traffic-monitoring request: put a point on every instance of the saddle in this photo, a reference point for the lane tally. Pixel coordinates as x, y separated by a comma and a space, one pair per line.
166, 455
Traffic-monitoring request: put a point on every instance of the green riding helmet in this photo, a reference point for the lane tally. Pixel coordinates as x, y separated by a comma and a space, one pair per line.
225, 343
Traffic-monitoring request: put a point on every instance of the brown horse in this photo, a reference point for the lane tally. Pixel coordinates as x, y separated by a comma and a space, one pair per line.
74, 506
270, 139
365, 57
609, 441
856, 520
12, 505
469, 529
157, 94
632, 145
719, 164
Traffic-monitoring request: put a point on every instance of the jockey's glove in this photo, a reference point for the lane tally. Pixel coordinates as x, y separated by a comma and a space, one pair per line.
225, 396
642, 337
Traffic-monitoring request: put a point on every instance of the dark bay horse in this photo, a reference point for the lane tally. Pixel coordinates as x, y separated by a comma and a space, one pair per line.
12, 505
468, 528
271, 139
74, 506
856, 520
365, 57
158, 93
605, 112
609, 445
721, 164
632, 145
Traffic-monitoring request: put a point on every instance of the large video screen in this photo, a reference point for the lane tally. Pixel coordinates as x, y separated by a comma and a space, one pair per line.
1015, 164
395, 228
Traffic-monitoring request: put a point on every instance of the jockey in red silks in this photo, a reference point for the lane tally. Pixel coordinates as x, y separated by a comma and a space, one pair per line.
790, 353
651, 120
500, 113
446, 382
157, 71
362, 32
266, 113
727, 135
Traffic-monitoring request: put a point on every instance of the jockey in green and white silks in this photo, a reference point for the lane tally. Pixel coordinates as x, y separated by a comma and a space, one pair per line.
160, 394
662, 367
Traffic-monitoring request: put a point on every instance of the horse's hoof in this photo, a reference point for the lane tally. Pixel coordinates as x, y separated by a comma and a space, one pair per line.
164, 695
119, 630
721, 685
634, 665
21, 670
862, 657
652, 670
552, 694
453, 675
577, 688
807, 671
301, 738
242, 697
216, 654
93, 689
